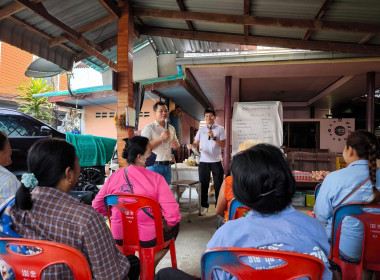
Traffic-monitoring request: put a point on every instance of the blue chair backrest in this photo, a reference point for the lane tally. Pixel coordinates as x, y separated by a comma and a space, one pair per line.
234, 205
317, 188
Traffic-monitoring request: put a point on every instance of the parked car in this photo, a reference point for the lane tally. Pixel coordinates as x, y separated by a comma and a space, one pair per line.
23, 131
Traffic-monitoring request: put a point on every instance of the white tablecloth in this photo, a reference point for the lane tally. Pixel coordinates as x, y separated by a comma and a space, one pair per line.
186, 172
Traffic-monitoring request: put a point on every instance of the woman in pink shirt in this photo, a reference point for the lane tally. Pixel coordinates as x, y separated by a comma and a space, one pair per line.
137, 179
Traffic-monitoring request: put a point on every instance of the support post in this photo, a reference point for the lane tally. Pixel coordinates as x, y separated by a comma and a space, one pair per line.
370, 117
227, 123
125, 70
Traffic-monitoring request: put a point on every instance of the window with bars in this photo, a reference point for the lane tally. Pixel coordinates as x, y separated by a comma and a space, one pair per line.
144, 114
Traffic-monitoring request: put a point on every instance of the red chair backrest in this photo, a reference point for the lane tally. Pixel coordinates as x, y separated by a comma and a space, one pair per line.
30, 267
229, 259
371, 242
129, 205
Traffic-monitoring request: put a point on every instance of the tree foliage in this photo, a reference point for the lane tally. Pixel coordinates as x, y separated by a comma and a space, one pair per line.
38, 107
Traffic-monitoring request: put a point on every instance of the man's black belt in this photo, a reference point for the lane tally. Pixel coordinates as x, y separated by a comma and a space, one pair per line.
168, 162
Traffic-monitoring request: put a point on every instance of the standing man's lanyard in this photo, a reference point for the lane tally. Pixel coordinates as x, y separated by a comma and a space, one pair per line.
131, 188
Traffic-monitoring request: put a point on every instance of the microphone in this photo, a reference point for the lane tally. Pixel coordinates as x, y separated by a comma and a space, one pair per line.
209, 138
166, 124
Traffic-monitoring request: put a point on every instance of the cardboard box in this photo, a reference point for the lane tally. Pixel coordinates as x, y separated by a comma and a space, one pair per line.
298, 199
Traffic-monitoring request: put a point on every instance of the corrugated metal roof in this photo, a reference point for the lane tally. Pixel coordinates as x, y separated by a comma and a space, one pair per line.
354, 11
300, 9
215, 6
276, 32
78, 13
178, 24
337, 36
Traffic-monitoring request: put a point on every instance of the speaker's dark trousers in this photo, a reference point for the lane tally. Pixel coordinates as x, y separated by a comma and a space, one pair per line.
204, 170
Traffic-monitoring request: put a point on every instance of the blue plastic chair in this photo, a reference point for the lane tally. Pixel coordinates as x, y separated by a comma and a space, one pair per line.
371, 239
234, 205
296, 265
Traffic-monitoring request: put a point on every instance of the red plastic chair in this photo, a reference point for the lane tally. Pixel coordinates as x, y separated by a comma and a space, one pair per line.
129, 205
236, 209
229, 260
371, 242
30, 267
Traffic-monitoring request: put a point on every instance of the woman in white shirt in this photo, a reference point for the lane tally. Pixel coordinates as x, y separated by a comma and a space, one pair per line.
8, 182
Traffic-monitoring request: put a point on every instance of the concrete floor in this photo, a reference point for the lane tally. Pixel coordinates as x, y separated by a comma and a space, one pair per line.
191, 241
193, 238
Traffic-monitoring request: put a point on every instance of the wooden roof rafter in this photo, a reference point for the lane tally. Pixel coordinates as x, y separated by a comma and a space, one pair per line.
38, 32
111, 7
182, 8
260, 40
69, 34
10, 10
247, 7
86, 28
359, 27
318, 16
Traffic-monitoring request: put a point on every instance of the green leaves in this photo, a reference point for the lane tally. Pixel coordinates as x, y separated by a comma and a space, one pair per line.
38, 107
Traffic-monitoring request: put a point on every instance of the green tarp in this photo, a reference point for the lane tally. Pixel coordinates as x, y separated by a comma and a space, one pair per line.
92, 150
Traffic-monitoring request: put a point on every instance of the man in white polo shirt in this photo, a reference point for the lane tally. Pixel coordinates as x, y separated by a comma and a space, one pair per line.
163, 138
211, 139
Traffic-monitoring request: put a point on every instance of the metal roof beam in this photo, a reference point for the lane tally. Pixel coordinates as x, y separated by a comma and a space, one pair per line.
182, 8
86, 28
319, 15
263, 21
259, 40
111, 7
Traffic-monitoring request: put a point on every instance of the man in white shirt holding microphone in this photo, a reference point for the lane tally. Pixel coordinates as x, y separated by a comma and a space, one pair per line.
162, 137
211, 140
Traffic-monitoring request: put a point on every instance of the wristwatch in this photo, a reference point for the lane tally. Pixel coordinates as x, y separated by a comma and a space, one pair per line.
214, 138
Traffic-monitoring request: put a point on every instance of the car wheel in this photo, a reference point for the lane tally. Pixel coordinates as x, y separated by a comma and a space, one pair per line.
91, 175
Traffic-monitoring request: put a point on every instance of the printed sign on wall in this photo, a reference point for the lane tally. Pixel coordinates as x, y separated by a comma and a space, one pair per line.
257, 121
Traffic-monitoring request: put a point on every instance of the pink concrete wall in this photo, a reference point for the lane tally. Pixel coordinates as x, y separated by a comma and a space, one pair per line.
106, 126
100, 126
296, 113
220, 117
147, 107
187, 122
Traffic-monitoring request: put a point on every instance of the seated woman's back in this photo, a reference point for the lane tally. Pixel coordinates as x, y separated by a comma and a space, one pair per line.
136, 179
263, 181
357, 183
50, 213
143, 182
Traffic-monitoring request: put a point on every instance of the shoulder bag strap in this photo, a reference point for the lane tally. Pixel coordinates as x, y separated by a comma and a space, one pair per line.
131, 188
354, 190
